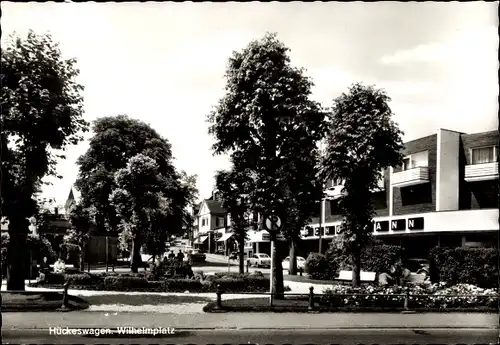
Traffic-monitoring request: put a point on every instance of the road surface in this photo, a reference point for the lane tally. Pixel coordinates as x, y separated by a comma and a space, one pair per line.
339, 336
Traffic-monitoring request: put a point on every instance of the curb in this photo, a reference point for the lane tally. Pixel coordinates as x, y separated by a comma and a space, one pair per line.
115, 329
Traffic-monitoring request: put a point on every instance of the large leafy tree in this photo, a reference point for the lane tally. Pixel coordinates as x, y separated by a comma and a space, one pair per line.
149, 203
188, 185
234, 187
116, 139
363, 141
264, 117
82, 223
42, 113
303, 191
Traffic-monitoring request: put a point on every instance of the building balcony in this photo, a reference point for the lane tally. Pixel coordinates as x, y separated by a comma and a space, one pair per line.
481, 172
410, 177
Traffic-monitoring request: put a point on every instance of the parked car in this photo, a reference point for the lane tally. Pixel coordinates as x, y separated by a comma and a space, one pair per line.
418, 266
260, 260
196, 256
301, 263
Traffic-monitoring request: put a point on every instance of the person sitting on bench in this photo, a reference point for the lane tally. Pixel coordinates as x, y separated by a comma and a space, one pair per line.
59, 266
43, 270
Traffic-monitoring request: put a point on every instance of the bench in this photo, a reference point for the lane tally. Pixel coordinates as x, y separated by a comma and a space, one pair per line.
52, 266
365, 276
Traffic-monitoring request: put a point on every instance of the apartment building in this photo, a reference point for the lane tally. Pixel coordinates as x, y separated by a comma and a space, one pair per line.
444, 194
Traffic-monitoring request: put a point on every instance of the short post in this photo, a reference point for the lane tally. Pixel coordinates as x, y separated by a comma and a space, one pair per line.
219, 297
300, 271
311, 299
407, 299
65, 296
248, 265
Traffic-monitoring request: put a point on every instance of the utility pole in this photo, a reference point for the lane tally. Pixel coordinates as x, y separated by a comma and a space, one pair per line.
321, 223
322, 208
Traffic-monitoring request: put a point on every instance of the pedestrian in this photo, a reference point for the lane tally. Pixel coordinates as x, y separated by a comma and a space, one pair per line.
180, 256
171, 255
384, 279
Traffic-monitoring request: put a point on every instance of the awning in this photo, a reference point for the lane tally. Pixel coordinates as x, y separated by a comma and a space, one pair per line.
225, 237
201, 239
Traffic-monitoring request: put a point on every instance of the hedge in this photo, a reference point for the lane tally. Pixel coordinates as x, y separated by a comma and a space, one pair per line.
170, 268
376, 257
477, 266
319, 267
141, 282
125, 283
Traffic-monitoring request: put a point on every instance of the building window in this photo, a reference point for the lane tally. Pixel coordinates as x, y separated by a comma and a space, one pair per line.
415, 160
483, 155
219, 221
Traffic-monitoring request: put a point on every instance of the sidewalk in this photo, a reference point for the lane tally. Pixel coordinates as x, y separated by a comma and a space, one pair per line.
297, 287
42, 320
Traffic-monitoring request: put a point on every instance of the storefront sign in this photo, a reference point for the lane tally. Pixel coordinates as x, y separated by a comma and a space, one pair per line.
416, 223
330, 230
382, 226
338, 229
400, 224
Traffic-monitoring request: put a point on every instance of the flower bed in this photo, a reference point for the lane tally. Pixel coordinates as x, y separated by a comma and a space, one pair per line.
432, 296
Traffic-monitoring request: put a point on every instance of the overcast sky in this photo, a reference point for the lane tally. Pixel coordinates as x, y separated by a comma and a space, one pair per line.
164, 63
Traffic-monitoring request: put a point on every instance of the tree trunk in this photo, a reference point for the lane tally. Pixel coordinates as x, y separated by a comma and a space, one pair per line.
293, 258
277, 283
82, 256
136, 259
17, 254
241, 249
356, 268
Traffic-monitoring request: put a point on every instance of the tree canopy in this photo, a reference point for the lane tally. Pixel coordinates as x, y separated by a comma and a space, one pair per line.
363, 140
266, 119
42, 113
116, 139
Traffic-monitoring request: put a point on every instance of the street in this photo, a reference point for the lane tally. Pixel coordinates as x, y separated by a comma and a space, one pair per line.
297, 336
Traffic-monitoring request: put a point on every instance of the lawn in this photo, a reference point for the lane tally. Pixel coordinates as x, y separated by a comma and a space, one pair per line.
39, 301
143, 299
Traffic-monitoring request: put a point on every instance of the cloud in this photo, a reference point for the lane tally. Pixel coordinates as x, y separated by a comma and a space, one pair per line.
465, 46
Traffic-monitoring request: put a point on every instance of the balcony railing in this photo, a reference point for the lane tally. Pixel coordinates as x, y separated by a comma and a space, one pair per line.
410, 177
481, 172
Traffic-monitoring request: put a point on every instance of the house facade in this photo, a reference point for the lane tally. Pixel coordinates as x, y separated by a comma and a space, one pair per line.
213, 231
444, 194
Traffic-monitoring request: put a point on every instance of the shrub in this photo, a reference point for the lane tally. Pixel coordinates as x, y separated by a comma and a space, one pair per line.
82, 279
477, 266
170, 268
380, 258
375, 257
181, 285
71, 253
121, 283
237, 282
318, 267
55, 278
